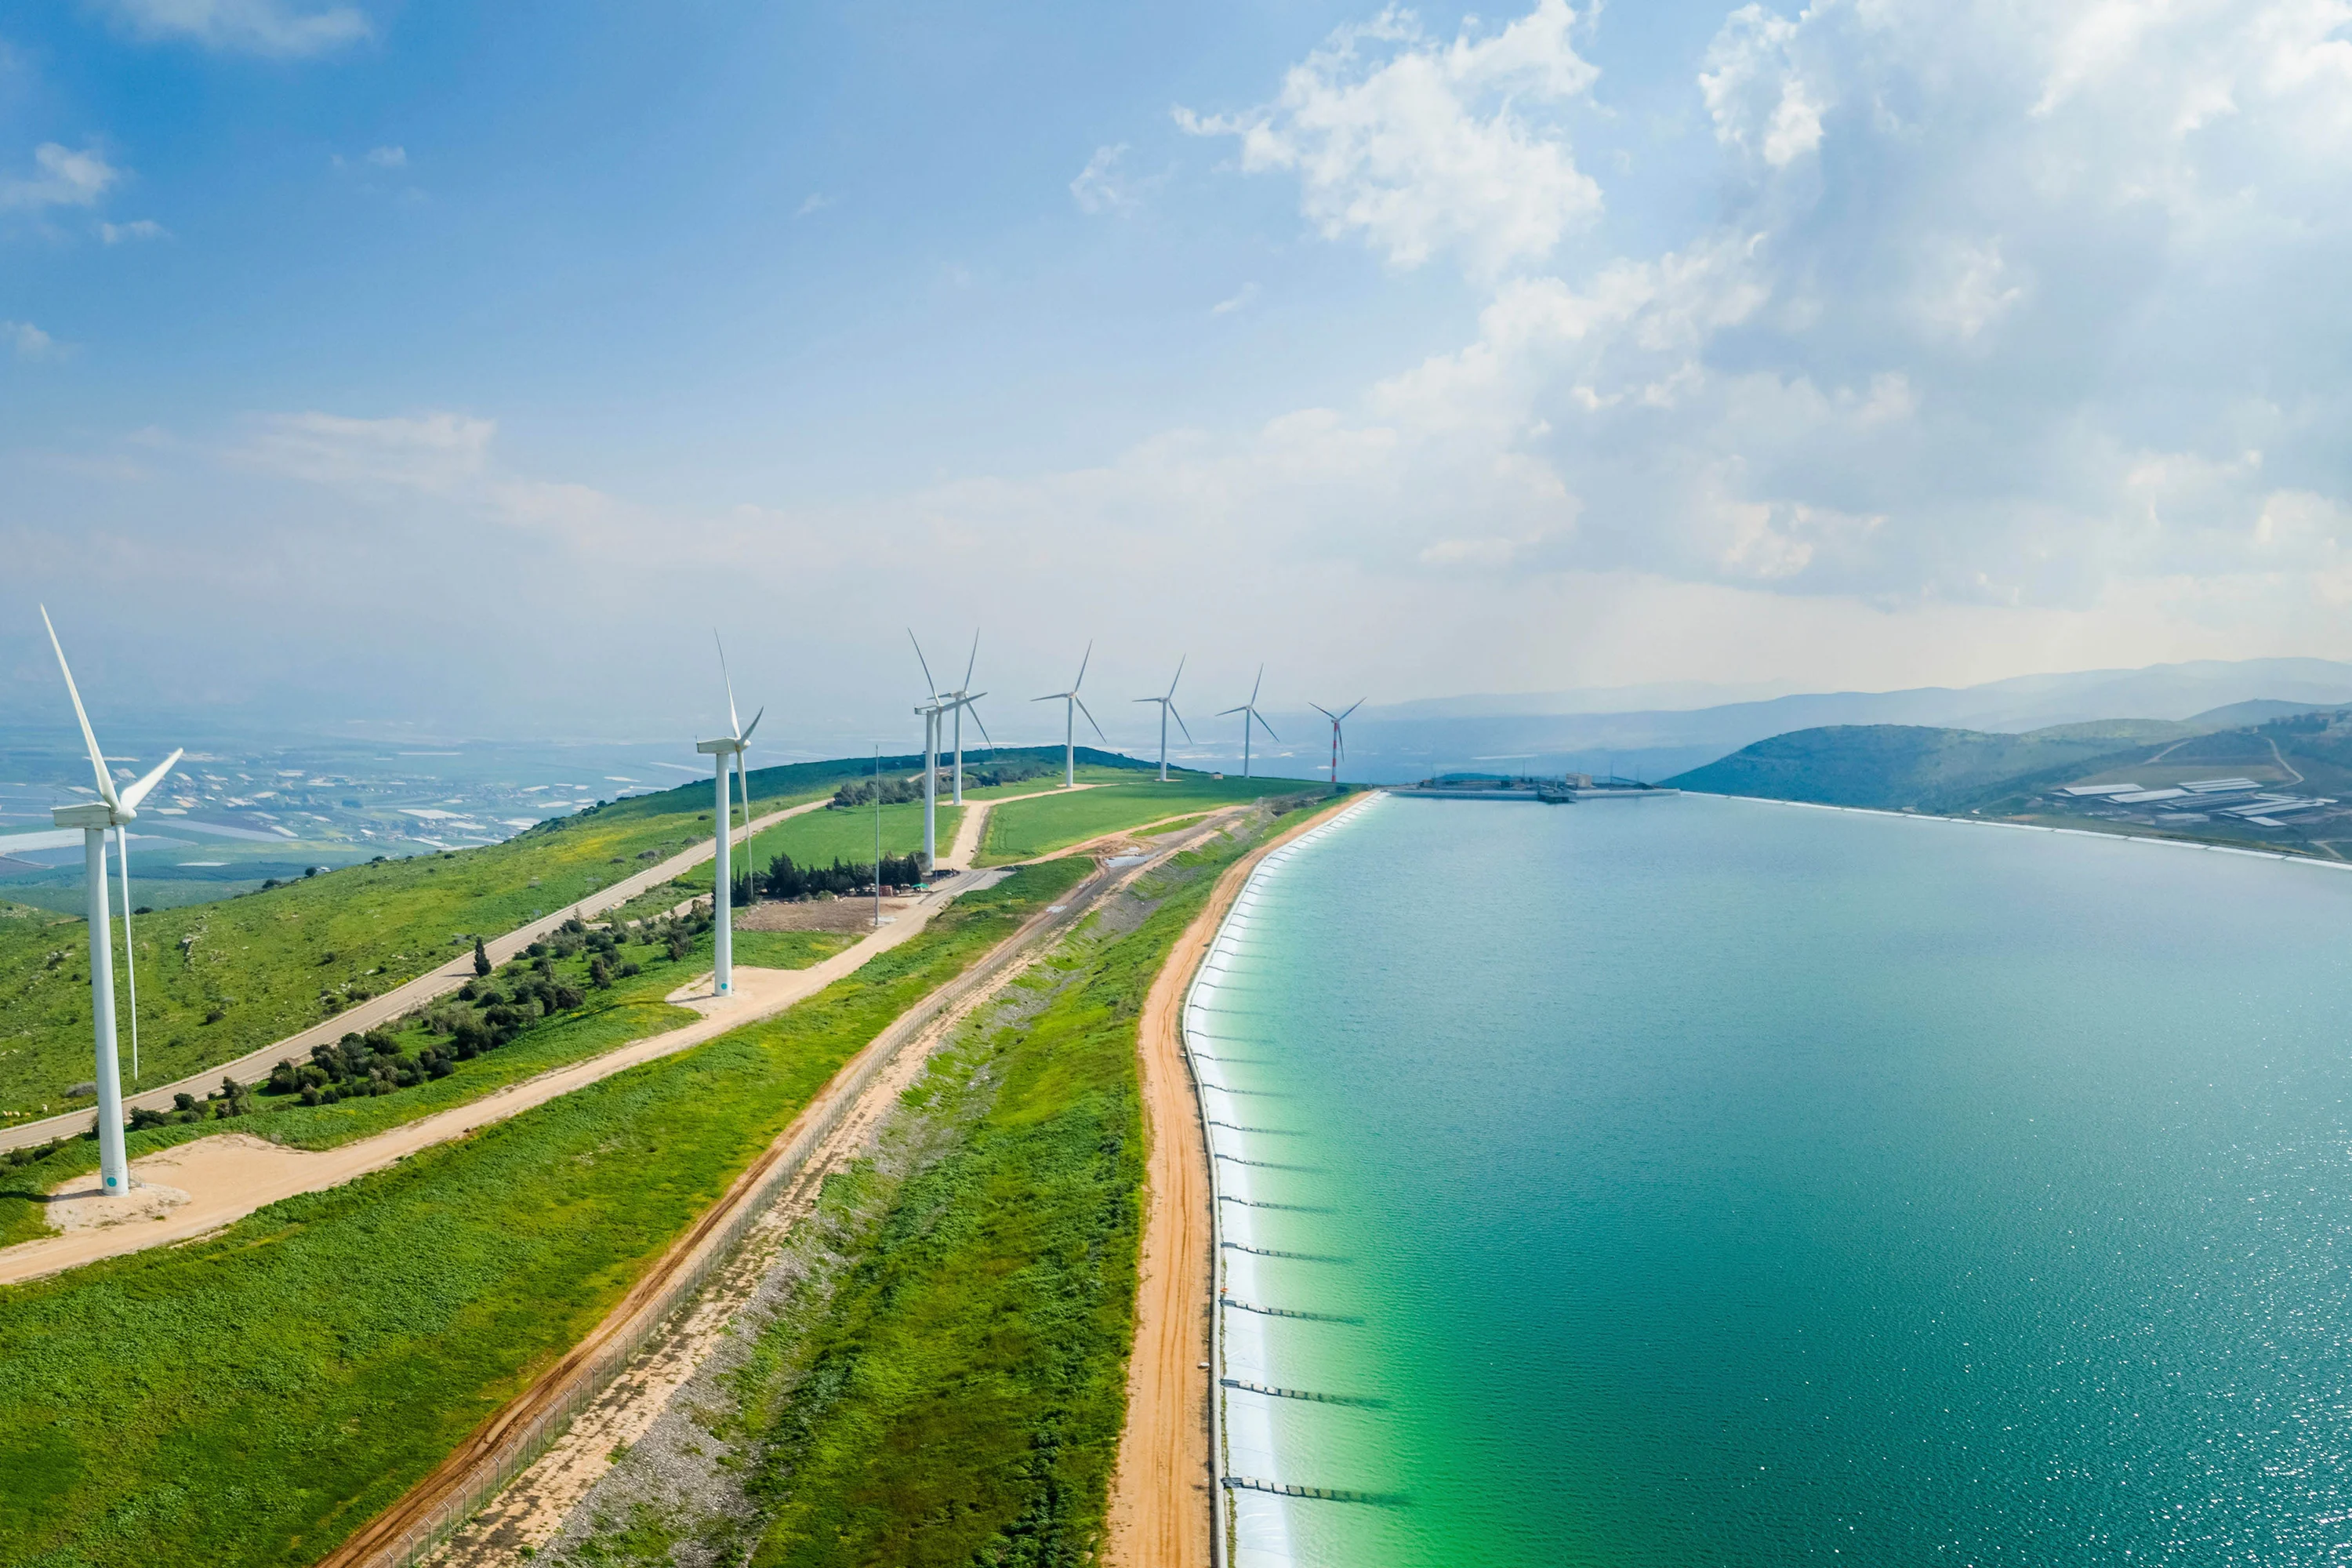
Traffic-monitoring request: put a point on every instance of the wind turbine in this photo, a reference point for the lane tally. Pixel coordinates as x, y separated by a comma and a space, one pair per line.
1249, 712
1071, 708
731, 744
117, 810
1166, 706
1338, 746
960, 700
930, 713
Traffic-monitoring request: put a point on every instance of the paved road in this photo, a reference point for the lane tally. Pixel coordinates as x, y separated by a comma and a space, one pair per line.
394, 1003
223, 1179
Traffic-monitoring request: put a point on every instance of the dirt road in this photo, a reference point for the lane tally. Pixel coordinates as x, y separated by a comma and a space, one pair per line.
1162, 1510
397, 1002
214, 1182
971, 829
461, 1482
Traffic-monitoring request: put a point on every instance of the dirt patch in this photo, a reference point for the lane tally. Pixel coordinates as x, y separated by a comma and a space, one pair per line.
818, 914
86, 1206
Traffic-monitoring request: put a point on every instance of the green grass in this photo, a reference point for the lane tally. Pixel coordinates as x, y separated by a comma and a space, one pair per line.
1031, 827
963, 1397
823, 836
631, 1010
790, 949
263, 959
254, 1397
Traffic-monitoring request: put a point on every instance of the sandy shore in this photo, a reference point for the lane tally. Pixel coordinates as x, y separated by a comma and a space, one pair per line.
219, 1179
1161, 1509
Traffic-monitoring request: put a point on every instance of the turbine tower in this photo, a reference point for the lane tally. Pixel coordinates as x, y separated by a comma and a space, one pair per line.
929, 712
1166, 706
731, 744
117, 810
1249, 713
1338, 746
1071, 708
957, 701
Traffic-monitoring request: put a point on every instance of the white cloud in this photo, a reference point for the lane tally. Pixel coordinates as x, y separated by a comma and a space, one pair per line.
388, 157
1420, 145
273, 28
138, 229
1760, 98
817, 201
1102, 187
438, 452
1241, 299
28, 341
63, 178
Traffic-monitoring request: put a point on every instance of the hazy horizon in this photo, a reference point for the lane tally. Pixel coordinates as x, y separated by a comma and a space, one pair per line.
383, 361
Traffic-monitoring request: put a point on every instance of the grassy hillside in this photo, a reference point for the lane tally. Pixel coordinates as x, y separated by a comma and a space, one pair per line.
253, 1397
1886, 766
270, 962
960, 1401
2304, 751
1024, 828
262, 966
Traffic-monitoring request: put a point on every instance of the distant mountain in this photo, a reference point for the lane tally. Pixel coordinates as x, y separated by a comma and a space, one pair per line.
1929, 768
1890, 766
1557, 732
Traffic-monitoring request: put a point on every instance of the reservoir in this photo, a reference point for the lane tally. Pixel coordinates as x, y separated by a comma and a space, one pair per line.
1720, 1182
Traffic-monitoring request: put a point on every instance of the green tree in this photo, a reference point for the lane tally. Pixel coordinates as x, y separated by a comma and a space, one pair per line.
481, 957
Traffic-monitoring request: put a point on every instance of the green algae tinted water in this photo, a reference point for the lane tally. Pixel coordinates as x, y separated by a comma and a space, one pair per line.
1722, 1183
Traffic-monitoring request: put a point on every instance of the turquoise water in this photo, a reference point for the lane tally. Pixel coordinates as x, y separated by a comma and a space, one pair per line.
1720, 1182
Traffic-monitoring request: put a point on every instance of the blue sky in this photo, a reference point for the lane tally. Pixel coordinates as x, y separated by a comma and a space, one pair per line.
382, 358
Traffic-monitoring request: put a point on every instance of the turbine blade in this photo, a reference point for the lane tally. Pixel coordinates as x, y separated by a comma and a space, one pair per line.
1050, 696
1359, 702
1224, 712
1324, 711
983, 729
1255, 684
755, 724
1262, 723
734, 725
1081, 680
1180, 675
929, 684
1180, 723
97, 759
1090, 719
974, 660
138, 792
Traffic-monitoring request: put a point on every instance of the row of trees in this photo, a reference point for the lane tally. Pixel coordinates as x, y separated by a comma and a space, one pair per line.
231, 1099
902, 791
784, 879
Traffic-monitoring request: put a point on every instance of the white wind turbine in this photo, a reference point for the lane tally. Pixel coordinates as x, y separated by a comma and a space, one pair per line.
1248, 711
1338, 746
116, 810
1071, 708
929, 713
731, 744
957, 701
1166, 707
